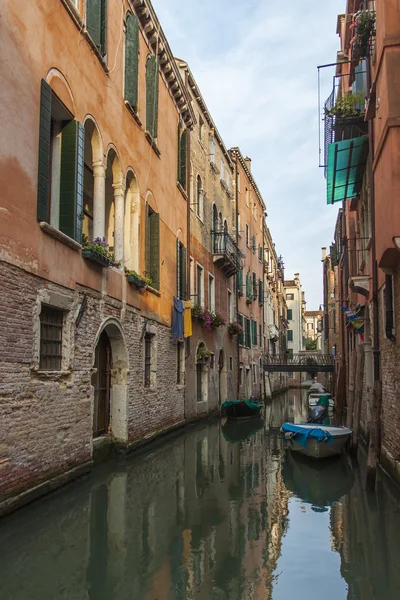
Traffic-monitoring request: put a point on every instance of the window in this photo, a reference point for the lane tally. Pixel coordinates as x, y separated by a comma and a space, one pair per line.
247, 236
61, 166
247, 195
152, 65
260, 254
199, 197
211, 293
180, 363
254, 332
254, 286
212, 150
289, 296
254, 244
241, 334
132, 60
201, 125
388, 295
180, 270
51, 326
290, 335
147, 359
240, 281
260, 335
290, 314
222, 169
254, 373
230, 363
96, 23
247, 331
212, 361
238, 226
249, 289
200, 285
230, 307
260, 292
238, 181
153, 247
228, 179
182, 157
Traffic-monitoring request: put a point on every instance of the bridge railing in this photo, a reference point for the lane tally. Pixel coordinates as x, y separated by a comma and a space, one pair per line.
308, 359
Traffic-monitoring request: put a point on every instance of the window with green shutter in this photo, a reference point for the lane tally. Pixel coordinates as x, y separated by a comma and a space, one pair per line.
180, 270
254, 244
182, 157
290, 335
96, 23
132, 60
240, 280
254, 332
260, 337
61, 166
290, 314
247, 331
152, 78
241, 334
153, 247
254, 286
249, 297
260, 254
260, 292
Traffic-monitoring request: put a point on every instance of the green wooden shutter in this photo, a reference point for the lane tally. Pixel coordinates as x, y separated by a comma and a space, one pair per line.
254, 285
178, 171
44, 152
248, 333
241, 334
103, 28
71, 180
93, 20
152, 95
240, 280
260, 292
183, 159
254, 332
154, 222
248, 287
254, 244
147, 248
260, 335
132, 60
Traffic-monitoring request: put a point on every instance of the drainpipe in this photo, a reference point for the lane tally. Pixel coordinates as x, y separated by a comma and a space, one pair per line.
263, 306
234, 160
188, 341
374, 441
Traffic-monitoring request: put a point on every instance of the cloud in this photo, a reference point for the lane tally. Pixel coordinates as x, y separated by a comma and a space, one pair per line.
255, 63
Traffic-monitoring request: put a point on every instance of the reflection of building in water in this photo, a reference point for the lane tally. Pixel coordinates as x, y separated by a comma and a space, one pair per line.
291, 407
365, 531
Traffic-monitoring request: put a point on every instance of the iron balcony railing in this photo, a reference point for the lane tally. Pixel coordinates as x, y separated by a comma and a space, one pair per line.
299, 359
226, 252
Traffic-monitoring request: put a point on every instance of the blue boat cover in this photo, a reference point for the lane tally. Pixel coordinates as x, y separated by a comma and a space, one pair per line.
301, 434
250, 403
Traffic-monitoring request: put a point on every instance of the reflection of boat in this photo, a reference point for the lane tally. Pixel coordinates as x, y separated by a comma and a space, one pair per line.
320, 484
237, 431
242, 409
316, 441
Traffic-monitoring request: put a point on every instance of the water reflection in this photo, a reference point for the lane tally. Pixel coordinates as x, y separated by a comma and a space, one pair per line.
216, 513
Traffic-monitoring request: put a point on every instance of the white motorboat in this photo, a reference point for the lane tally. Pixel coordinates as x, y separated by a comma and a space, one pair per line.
316, 441
314, 397
316, 388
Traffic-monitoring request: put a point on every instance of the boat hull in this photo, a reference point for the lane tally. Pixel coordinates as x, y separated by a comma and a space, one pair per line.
316, 441
313, 400
241, 410
316, 449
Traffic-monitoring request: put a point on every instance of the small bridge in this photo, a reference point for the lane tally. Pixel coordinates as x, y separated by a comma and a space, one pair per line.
299, 363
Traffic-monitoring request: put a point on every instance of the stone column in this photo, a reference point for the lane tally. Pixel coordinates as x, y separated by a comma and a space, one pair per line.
99, 199
119, 210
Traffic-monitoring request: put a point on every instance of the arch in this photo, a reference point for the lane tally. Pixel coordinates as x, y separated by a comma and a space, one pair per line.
119, 376
96, 140
132, 222
151, 200
60, 86
114, 211
113, 158
93, 159
179, 234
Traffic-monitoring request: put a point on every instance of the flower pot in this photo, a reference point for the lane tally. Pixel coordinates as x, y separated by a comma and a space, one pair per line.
138, 282
96, 257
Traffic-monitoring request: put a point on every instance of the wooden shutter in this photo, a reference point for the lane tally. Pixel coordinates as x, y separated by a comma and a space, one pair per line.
103, 28
152, 95
183, 159
154, 226
44, 152
71, 180
248, 287
240, 280
248, 333
94, 20
254, 332
254, 285
131, 60
241, 335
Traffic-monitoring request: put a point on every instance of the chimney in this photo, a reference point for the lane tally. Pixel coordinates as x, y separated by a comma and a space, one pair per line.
297, 275
247, 160
323, 250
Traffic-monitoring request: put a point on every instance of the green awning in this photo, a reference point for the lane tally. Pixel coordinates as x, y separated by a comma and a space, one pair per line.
346, 165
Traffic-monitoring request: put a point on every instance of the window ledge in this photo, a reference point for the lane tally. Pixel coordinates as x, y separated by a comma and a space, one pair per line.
59, 235
153, 291
180, 386
182, 190
152, 143
93, 46
134, 114
50, 375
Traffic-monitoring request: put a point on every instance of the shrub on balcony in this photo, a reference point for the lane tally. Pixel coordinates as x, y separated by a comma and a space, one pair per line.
235, 328
98, 251
364, 28
207, 318
347, 106
137, 280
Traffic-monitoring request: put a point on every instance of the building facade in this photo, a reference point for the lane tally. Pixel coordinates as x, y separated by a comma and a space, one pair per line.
365, 256
313, 329
295, 314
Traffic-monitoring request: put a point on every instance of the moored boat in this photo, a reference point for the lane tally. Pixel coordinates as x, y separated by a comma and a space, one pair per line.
242, 409
314, 399
316, 441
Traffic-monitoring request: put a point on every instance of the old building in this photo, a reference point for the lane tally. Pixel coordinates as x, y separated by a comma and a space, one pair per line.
295, 313
365, 253
94, 146
214, 261
313, 328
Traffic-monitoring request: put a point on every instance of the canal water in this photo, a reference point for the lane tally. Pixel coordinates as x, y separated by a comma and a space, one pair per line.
219, 512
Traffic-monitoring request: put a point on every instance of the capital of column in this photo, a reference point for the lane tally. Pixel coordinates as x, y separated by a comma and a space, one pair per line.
119, 188
99, 169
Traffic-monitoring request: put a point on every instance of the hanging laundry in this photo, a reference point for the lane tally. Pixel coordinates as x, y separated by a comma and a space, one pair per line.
187, 319
177, 318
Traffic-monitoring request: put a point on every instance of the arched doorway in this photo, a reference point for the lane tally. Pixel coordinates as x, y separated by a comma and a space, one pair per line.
102, 386
110, 382
222, 378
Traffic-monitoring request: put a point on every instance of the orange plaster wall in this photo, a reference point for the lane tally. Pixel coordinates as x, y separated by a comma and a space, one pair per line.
54, 41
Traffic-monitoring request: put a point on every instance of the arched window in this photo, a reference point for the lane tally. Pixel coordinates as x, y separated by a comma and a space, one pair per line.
131, 60
199, 193
182, 157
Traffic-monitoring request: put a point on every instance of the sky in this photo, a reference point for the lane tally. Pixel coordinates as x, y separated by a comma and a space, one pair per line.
255, 62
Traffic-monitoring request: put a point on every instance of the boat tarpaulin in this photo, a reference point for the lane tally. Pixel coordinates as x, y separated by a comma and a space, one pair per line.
301, 434
250, 403
346, 166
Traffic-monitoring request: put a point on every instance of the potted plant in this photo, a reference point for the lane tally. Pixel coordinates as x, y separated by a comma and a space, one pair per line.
203, 354
216, 320
364, 28
235, 328
347, 106
198, 312
98, 252
137, 280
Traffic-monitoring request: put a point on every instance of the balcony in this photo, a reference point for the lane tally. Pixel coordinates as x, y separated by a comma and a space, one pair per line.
226, 254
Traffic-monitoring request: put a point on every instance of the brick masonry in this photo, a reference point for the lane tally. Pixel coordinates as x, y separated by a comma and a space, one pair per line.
47, 417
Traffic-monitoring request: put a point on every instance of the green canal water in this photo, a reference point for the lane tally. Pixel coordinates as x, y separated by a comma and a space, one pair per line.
216, 512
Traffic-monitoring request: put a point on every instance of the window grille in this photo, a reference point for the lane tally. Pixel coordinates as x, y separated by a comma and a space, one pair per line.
51, 325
